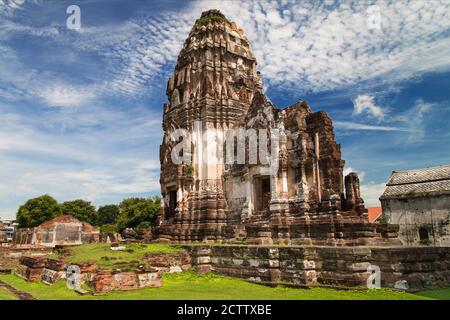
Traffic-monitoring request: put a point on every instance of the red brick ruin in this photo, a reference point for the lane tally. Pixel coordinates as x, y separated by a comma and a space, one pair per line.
304, 201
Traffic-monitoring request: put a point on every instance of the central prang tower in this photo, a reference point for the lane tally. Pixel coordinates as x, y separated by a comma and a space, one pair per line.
304, 199
214, 82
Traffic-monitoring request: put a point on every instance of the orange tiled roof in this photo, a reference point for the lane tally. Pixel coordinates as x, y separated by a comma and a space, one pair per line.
374, 213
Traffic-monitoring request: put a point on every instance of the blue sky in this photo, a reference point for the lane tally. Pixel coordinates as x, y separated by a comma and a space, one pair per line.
80, 111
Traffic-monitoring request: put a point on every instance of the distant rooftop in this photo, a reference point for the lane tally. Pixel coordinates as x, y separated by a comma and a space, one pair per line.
418, 182
374, 213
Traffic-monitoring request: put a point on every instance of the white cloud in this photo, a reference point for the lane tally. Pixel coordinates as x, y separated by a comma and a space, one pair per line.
331, 47
371, 192
348, 125
411, 121
305, 46
364, 104
98, 154
414, 118
8, 6
67, 96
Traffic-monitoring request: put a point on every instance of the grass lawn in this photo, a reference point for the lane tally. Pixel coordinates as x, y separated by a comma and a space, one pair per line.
190, 286
441, 294
101, 253
5, 294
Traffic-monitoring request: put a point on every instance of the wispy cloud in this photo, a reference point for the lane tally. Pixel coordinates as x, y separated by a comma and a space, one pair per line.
348, 125
91, 152
414, 118
319, 47
67, 96
364, 104
306, 46
8, 6
412, 121
371, 192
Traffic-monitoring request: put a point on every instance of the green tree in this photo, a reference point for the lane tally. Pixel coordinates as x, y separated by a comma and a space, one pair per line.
38, 210
80, 209
138, 212
108, 228
107, 214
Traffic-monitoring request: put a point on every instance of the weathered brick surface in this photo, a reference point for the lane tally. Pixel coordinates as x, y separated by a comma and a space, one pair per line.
33, 262
166, 260
36, 268
344, 267
108, 280
51, 276
88, 267
56, 265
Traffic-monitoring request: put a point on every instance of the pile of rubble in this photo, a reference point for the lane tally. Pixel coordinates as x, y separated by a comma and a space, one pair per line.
147, 274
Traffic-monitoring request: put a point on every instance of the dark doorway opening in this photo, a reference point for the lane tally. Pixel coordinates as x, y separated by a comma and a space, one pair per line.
424, 235
263, 193
170, 212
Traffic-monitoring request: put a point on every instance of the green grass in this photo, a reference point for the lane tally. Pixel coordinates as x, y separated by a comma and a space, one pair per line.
101, 253
441, 294
190, 286
5, 294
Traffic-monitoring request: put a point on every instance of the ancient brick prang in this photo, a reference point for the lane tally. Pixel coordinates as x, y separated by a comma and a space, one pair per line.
296, 197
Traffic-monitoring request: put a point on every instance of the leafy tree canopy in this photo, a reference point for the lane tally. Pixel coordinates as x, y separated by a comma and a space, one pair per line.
138, 212
80, 209
38, 210
107, 214
108, 228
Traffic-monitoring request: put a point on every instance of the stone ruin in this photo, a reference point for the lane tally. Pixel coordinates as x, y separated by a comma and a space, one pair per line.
100, 280
63, 230
216, 88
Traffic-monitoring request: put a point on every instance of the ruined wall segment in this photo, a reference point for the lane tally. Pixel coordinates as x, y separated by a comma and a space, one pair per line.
60, 231
342, 267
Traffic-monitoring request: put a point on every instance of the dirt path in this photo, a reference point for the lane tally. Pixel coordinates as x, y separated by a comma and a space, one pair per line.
19, 294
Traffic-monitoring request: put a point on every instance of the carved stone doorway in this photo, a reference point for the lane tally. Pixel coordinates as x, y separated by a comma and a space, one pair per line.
262, 193
170, 211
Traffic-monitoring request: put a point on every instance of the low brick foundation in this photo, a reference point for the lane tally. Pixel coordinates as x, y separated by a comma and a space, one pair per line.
343, 267
108, 280
166, 261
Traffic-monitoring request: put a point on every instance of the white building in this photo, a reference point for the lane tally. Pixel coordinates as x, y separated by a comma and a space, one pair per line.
7, 230
419, 201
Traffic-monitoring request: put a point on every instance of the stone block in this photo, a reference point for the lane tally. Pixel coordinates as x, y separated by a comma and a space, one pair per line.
50, 276
33, 261
152, 279
56, 265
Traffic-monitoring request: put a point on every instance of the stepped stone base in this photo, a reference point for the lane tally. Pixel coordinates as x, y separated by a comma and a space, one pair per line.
324, 266
333, 229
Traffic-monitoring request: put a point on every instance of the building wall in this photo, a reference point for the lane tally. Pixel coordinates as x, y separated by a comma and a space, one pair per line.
430, 213
342, 267
56, 234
